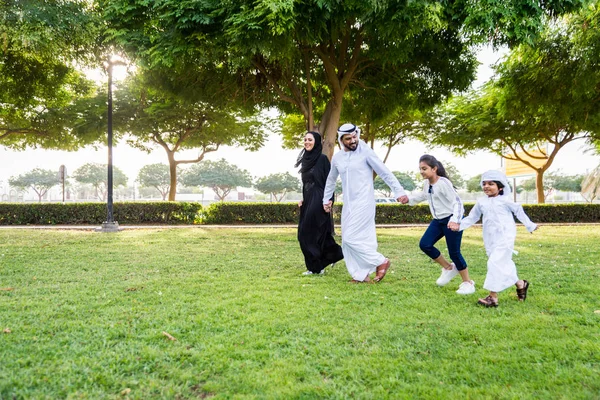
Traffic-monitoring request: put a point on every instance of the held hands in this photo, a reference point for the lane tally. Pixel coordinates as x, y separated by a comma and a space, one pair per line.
403, 199
327, 206
300, 203
454, 226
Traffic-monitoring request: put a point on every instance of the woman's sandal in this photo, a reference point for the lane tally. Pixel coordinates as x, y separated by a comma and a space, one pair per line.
382, 270
522, 293
488, 302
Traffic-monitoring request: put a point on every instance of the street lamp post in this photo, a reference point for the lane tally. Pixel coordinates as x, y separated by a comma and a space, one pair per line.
110, 225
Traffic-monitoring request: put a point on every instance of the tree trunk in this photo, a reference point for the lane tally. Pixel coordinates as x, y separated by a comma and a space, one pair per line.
539, 186
331, 122
172, 175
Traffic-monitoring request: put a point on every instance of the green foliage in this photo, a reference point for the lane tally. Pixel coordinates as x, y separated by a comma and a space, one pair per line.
154, 116
87, 314
240, 213
271, 213
41, 44
375, 56
97, 175
454, 175
40, 180
404, 178
527, 104
220, 176
555, 181
278, 185
474, 184
95, 213
338, 187
231, 213
156, 176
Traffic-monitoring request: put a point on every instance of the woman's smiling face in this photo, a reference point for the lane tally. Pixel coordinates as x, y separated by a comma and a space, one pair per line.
309, 142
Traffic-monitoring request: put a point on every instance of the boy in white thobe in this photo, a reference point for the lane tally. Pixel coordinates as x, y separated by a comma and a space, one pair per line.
499, 233
355, 164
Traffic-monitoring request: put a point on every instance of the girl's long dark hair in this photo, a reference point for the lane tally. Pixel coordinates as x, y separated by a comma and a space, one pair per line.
434, 163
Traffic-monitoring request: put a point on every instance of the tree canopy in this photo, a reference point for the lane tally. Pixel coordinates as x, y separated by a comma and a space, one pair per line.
152, 117
542, 95
43, 45
39, 180
95, 175
220, 176
312, 57
405, 179
155, 176
278, 185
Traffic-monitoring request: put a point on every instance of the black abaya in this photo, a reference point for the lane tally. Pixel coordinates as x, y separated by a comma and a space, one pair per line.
315, 229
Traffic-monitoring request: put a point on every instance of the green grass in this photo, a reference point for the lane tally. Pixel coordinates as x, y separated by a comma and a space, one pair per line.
88, 310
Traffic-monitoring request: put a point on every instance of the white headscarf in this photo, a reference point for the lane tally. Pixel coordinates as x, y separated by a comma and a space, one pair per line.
494, 175
347, 129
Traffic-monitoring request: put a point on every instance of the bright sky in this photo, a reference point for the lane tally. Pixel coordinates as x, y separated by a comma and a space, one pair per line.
272, 158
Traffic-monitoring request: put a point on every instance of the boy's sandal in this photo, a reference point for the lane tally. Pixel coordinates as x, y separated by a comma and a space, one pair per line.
488, 302
522, 293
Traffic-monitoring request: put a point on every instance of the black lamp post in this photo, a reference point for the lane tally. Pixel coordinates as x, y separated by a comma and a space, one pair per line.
110, 225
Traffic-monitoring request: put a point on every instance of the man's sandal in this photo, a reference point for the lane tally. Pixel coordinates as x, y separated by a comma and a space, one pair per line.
522, 293
488, 302
357, 281
382, 270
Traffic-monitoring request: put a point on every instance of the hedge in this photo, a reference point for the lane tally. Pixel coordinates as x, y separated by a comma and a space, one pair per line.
95, 213
228, 213
237, 213
287, 213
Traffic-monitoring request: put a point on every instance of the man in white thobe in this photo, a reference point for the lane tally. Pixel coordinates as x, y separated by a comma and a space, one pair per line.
355, 164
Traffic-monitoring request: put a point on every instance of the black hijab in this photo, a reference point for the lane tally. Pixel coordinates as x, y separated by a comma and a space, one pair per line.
308, 159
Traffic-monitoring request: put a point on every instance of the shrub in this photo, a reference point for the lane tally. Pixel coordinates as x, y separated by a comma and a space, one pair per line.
252, 213
96, 213
235, 213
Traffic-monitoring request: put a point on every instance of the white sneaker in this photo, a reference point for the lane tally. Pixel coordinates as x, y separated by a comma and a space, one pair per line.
313, 273
466, 288
447, 275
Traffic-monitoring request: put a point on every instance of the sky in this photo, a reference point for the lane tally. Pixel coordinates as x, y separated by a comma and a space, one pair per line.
272, 158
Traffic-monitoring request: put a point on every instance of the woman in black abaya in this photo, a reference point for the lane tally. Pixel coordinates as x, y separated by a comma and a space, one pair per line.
315, 229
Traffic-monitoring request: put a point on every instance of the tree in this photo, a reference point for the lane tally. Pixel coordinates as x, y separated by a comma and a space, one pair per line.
220, 176
555, 181
278, 184
543, 94
42, 44
313, 57
155, 176
154, 117
454, 175
474, 184
404, 178
95, 174
40, 180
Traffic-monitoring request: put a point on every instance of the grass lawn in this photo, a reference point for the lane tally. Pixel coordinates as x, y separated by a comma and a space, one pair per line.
87, 311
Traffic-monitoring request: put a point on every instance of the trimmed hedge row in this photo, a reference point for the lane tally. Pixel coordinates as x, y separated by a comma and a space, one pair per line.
232, 213
95, 213
238, 213
228, 213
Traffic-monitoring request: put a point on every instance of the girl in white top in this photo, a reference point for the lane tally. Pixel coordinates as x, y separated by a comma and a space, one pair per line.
445, 206
499, 232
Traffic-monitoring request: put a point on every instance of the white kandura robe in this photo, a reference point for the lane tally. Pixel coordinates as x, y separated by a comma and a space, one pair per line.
359, 239
499, 233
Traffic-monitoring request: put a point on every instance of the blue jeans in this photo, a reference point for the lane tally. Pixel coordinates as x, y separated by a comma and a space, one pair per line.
438, 228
